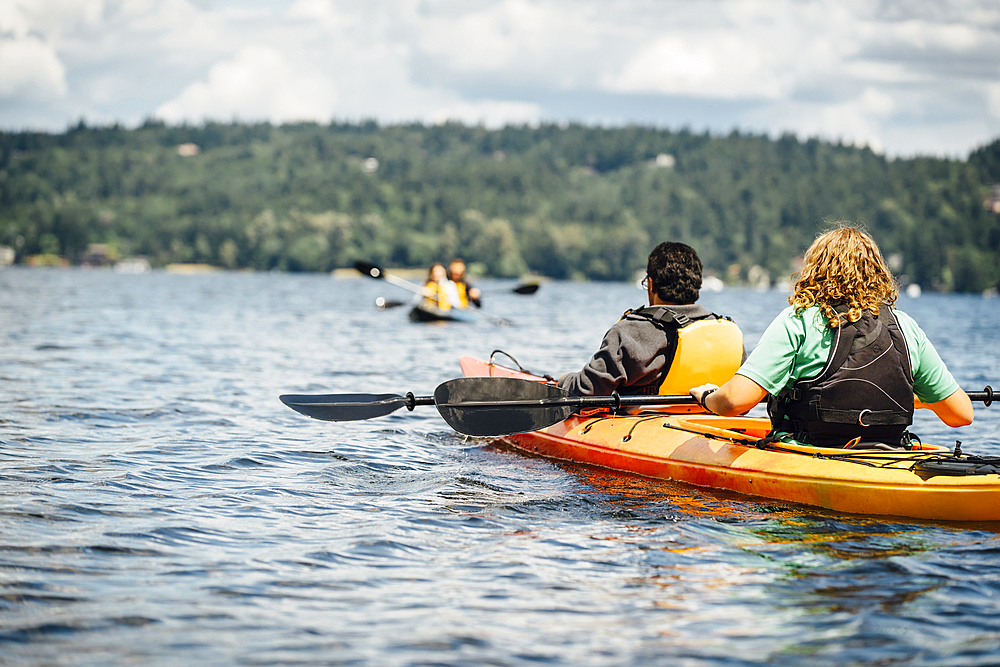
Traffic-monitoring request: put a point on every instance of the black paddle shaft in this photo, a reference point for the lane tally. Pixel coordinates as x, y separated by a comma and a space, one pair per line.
505, 406
490, 406
985, 396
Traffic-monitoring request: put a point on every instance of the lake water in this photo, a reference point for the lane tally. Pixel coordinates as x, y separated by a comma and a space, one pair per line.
160, 506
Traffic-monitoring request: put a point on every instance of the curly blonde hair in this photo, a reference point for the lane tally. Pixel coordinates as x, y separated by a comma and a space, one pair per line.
843, 266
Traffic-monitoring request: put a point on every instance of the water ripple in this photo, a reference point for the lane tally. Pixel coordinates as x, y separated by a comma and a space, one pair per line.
159, 506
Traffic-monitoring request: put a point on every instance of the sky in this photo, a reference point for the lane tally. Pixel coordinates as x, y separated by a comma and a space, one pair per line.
904, 77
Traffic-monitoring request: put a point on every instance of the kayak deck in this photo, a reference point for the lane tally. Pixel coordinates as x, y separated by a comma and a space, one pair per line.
718, 452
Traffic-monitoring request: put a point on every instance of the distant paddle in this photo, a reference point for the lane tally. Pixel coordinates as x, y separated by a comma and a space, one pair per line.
489, 406
377, 272
526, 288
384, 304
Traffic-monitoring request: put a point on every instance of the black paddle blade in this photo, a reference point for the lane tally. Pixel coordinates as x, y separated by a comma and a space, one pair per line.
501, 406
369, 269
343, 407
530, 288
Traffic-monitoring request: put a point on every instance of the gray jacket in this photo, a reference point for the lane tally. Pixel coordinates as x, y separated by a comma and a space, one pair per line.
632, 358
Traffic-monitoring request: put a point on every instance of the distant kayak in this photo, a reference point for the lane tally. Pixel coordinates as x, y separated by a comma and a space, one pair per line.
426, 313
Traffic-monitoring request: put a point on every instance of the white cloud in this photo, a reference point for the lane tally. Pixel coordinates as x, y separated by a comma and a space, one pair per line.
494, 37
30, 69
258, 84
324, 12
993, 99
49, 17
553, 44
322, 61
721, 66
30, 31
859, 121
883, 73
903, 75
923, 35
743, 50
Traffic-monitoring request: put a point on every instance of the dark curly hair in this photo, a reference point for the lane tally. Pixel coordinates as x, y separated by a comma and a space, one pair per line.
675, 270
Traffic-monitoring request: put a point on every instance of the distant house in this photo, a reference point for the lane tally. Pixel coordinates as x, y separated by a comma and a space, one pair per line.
993, 202
98, 254
136, 264
7, 256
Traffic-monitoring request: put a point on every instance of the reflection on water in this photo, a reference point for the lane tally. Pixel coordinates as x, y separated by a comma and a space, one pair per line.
158, 505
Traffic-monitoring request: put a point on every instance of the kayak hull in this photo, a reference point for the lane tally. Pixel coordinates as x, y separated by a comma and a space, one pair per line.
423, 313
696, 449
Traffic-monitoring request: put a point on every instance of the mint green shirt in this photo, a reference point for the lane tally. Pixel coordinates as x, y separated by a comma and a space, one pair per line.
797, 346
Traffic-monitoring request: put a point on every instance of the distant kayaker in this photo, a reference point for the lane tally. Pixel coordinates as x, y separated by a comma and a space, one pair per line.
841, 365
670, 344
466, 293
439, 291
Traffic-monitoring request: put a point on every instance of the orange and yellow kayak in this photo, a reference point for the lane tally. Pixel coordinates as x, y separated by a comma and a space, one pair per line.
707, 450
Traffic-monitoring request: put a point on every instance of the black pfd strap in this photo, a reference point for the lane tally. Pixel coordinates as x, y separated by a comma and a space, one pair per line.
661, 316
862, 417
668, 318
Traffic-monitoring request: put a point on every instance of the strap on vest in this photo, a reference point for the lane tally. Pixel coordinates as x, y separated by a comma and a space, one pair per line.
661, 316
664, 316
863, 417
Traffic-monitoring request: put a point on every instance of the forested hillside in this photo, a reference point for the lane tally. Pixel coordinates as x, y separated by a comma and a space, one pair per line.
561, 201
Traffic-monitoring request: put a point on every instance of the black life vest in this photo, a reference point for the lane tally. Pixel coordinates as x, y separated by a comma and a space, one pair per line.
697, 350
865, 390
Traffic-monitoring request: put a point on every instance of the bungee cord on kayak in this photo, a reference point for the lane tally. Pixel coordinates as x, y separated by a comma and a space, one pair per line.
520, 368
955, 463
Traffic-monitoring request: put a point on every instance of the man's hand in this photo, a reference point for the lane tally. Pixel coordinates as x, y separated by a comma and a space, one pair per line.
699, 393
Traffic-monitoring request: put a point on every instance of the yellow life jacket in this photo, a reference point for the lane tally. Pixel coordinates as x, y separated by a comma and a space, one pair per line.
463, 294
707, 350
436, 297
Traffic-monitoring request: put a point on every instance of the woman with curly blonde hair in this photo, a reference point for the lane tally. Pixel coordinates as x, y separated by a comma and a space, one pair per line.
843, 266
842, 366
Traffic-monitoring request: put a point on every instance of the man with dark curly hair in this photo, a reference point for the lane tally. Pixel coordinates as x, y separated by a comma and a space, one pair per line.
660, 348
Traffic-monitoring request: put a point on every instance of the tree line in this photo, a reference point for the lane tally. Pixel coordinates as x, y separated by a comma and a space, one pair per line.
565, 201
